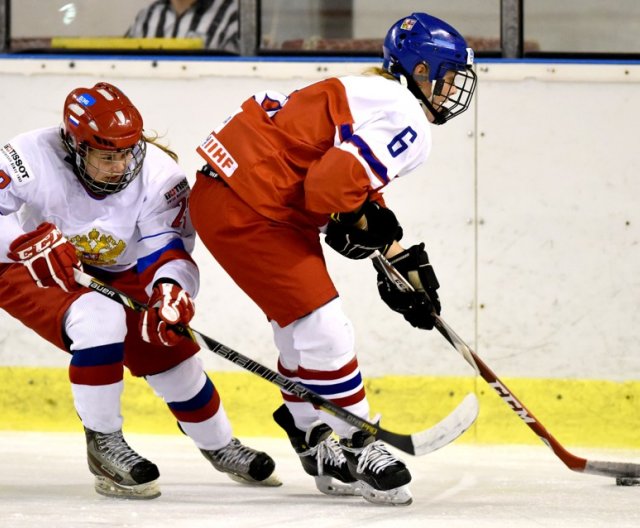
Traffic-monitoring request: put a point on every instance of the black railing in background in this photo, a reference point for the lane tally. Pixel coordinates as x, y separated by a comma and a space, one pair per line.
249, 27
4, 25
511, 28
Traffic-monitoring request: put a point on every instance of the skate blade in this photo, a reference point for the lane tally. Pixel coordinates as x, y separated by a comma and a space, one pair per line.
272, 481
400, 496
331, 486
109, 488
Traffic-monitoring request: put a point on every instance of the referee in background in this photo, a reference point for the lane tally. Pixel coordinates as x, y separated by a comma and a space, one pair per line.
213, 21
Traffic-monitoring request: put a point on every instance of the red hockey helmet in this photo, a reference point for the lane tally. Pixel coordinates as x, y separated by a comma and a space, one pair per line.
102, 131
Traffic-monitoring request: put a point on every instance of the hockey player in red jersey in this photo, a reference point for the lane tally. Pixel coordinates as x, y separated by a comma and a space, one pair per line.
97, 193
283, 169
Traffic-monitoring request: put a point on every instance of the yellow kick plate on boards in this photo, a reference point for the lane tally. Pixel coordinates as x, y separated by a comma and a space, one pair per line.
127, 43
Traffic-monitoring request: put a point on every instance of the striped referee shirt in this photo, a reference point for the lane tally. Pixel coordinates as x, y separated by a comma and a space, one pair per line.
214, 21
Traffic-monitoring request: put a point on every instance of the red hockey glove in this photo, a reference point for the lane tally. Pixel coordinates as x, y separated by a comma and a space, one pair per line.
169, 305
49, 257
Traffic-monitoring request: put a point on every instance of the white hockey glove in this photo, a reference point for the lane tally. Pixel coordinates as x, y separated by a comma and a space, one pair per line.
169, 305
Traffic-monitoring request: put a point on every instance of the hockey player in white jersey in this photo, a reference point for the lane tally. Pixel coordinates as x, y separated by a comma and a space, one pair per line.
284, 168
96, 193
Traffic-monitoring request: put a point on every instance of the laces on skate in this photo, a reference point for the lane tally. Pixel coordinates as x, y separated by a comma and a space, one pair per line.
243, 464
119, 471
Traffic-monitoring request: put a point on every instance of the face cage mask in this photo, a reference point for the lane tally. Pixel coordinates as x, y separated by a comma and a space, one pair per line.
450, 99
131, 158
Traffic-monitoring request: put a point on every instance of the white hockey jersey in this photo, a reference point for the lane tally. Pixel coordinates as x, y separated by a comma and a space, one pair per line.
145, 225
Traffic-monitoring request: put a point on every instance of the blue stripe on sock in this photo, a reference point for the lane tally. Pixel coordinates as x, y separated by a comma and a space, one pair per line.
100, 355
198, 401
336, 388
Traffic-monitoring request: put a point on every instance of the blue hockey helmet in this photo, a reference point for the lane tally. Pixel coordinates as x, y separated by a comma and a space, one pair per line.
424, 39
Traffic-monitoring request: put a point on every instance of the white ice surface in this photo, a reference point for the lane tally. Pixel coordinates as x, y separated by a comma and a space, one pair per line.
45, 483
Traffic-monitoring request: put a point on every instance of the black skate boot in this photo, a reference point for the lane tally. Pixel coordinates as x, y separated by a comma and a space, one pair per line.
243, 464
383, 478
120, 471
320, 455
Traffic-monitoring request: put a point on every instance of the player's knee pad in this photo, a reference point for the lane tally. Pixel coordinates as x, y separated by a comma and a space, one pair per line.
324, 339
94, 320
283, 338
180, 383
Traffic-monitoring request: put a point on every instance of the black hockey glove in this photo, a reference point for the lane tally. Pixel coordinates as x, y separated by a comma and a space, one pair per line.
382, 229
416, 306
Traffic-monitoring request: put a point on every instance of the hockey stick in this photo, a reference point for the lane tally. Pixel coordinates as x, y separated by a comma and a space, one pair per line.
625, 473
421, 443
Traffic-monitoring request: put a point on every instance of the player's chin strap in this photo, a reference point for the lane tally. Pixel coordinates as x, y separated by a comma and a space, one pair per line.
439, 116
625, 473
421, 443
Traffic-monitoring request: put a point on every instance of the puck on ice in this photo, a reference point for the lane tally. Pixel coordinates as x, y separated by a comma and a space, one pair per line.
627, 481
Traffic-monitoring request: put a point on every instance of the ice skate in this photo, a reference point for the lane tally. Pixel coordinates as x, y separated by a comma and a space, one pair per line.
320, 455
120, 471
383, 478
243, 464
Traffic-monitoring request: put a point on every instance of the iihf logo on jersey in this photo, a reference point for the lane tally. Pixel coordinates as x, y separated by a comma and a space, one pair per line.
217, 155
97, 249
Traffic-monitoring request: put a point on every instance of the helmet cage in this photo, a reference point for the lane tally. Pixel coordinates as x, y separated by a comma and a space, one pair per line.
112, 170
451, 97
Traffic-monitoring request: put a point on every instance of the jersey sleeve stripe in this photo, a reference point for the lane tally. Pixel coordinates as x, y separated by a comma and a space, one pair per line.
345, 132
378, 168
346, 135
159, 234
149, 260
